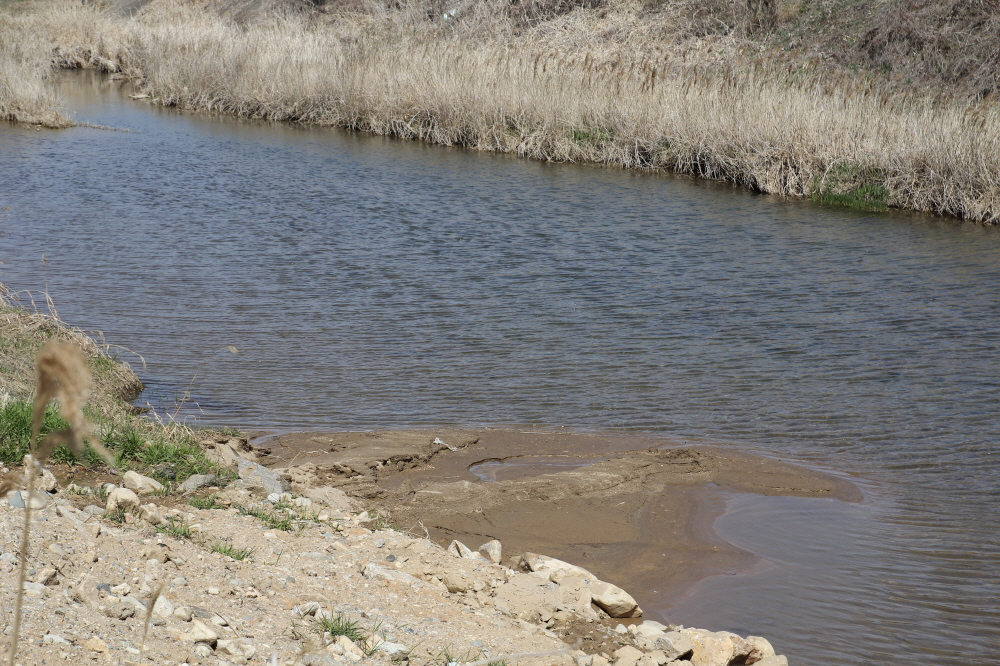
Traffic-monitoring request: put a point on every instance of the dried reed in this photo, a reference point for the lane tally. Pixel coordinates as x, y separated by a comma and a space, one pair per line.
562, 90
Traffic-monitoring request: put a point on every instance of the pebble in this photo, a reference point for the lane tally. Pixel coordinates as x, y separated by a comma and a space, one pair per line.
212, 590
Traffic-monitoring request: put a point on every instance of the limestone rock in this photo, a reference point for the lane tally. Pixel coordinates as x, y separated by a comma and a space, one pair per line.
122, 498
196, 481
627, 656
615, 601
555, 568
774, 660
492, 550
143, 485
674, 644
455, 582
46, 576
761, 649
459, 549
395, 651
239, 647
18, 497
151, 514
385, 573
716, 648
163, 607
95, 644
200, 633
258, 476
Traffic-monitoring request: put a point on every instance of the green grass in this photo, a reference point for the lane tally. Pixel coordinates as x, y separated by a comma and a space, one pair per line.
15, 431
269, 519
209, 502
231, 551
872, 197
340, 625
852, 186
116, 516
175, 528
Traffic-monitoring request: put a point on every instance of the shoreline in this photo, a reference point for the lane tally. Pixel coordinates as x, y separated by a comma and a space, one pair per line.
437, 488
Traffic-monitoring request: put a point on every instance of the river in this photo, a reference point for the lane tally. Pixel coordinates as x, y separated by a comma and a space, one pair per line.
371, 283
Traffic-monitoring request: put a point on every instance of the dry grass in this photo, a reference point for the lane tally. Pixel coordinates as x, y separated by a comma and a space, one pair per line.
583, 85
25, 62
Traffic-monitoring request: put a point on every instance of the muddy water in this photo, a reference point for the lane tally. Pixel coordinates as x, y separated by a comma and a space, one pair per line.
371, 283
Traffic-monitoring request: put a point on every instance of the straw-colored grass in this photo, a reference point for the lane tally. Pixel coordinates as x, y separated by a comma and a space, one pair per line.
25, 62
561, 91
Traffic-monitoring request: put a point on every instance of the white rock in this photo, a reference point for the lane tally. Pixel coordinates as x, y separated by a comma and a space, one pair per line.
556, 568
151, 514
493, 550
200, 633
615, 601
777, 660
394, 650
762, 648
143, 485
184, 613
459, 549
163, 607
122, 498
121, 590
627, 656
239, 647
674, 644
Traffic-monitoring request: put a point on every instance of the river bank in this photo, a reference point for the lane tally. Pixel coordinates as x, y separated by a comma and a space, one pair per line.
200, 532
618, 84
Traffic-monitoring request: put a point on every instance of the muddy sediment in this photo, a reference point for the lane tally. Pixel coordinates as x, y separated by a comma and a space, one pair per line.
635, 511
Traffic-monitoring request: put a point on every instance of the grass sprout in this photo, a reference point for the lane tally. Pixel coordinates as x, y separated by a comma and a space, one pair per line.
231, 551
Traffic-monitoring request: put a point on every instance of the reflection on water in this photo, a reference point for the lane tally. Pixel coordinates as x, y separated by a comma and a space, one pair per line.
372, 283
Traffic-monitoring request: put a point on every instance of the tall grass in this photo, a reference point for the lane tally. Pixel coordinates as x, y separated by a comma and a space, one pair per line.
773, 127
25, 62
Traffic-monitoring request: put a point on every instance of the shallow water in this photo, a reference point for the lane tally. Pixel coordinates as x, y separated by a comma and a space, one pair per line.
376, 283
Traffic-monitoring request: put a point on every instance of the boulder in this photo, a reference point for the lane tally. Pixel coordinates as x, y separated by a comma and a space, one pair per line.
258, 476
555, 568
121, 498
674, 644
143, 485
615, 601
492, 550
200, 633
456, 582
716, 648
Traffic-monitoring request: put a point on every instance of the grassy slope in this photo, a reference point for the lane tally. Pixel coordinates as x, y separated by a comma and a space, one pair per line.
170, 452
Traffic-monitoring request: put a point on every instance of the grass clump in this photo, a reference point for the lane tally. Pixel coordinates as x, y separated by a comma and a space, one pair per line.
271, 520
16, 431
331, 626
175, 528
210, 502
853, 187
231, 551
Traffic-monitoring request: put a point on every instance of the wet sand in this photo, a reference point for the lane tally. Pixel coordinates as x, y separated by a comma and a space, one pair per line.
636, 511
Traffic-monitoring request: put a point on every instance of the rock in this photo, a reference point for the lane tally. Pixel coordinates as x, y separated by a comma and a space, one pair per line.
17, 498
774, 660
615, 601
459, 549
585, 660
163, 607
648, 660
761, 649
239, 647
121, 611
196, 481
46, 577
385, 573
53, 639
33, 589
675, 645
716, 648
151, 514
492, 550
258, 476
627, 656
93, 510
555, 568
307, 609
95, 644
46, 482
350, 648
184, 613
142, 485
334, 498
302, 502
650, 629
56, 549
200, 633
599, 661
455, 582
395, 651
202, 649
122, 498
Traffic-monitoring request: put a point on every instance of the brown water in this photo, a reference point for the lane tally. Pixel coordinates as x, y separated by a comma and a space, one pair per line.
376, 283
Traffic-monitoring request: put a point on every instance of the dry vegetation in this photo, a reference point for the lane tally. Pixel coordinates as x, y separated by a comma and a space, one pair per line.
843, 101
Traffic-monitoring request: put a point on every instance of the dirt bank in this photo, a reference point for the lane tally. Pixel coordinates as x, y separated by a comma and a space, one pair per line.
635, 511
